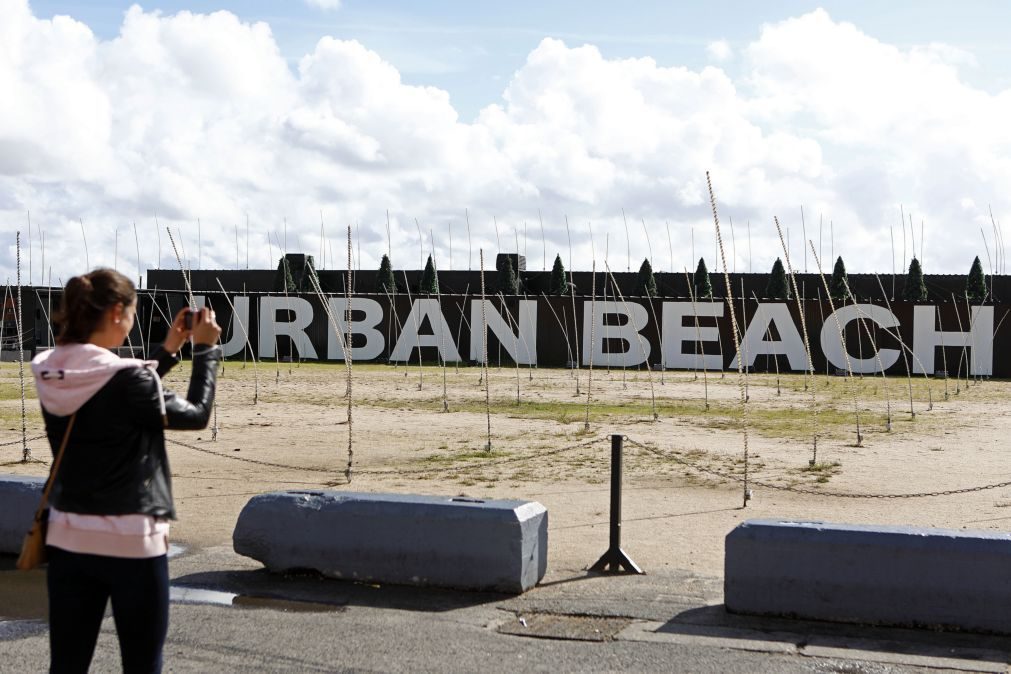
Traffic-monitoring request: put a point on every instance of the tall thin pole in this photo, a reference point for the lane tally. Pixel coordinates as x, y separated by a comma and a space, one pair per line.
470, 252
136, 243
87, 261
912, 235
389, 237
891, 235
733, 243
803, 227
484, 357
42, 244
749, 247
26, 454
649, 244
670, 247
30, 248
544, 243
628, 245
421, 246
322, 242
693, 245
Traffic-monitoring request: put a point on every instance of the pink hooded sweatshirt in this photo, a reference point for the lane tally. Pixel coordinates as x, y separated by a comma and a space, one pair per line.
66, 378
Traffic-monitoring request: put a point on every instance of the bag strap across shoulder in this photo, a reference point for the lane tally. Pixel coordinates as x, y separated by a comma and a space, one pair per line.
55, 468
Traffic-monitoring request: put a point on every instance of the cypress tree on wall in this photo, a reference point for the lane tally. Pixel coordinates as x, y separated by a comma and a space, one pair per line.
507, 283
779, 287
646, 286
385, 282
703, 286
559, 282
975, 283
839, 285
916, 290
429, 279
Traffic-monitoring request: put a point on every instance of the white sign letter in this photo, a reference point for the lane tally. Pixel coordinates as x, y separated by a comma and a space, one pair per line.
789, 343
271, 328
521, 346
676, 333
374, 340
637, 347
441, 337
979, 339
831, 342
240, 322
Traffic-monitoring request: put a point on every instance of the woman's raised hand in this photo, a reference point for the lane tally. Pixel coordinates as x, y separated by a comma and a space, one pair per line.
178, 332
205, 327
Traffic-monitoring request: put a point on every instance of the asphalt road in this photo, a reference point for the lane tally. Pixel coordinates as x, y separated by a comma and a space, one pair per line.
668, 621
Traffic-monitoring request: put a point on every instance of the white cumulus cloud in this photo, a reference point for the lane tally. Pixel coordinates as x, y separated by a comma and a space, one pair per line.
199, 116
719, 50
324, 4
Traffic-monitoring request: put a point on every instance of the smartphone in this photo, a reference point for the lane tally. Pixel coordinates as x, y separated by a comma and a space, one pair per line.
188, 318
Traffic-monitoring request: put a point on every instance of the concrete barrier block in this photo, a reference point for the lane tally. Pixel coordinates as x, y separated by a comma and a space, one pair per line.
887, 575
19, 497
458, 543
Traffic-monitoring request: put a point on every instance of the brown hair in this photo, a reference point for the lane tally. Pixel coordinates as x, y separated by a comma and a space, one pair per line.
86, 298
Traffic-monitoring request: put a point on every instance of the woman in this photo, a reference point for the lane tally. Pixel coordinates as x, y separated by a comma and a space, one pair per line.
112, 498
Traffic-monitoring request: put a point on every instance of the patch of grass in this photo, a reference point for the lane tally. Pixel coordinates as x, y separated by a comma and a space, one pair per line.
474, 455
822, 467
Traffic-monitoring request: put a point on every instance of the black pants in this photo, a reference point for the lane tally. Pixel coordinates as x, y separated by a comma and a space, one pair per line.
81, 585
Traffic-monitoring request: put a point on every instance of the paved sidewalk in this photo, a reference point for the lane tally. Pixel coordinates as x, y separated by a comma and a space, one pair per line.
666, 621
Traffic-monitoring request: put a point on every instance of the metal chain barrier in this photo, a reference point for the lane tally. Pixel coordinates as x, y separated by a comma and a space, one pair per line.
19, 440
802, 490
416, 471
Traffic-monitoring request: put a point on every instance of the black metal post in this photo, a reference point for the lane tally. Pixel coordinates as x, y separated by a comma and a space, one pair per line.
615, 560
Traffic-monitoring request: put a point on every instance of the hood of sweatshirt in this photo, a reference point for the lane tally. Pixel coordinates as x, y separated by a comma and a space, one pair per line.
69, 375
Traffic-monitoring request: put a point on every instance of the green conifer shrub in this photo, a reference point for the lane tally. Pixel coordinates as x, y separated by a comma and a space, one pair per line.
646, 286
916, 289
975, 283
779, 285
703, 286
559, 281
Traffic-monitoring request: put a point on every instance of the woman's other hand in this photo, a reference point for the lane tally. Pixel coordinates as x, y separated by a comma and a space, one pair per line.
178, 333
205, 327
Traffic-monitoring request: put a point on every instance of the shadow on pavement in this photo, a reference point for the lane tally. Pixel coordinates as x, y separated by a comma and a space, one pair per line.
805, 635
261, 588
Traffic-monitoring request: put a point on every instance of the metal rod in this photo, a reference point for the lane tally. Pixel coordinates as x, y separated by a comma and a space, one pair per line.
615, 559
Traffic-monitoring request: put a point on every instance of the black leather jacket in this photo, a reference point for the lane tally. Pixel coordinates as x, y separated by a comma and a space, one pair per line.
115, 461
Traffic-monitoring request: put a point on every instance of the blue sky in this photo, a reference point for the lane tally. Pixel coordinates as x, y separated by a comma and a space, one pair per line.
470, 49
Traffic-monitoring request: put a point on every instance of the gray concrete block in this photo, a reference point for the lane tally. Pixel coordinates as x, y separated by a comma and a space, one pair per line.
19, 497
885, 575
459, 543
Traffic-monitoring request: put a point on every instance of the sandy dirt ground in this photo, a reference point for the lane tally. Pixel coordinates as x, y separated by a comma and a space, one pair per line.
285, 426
